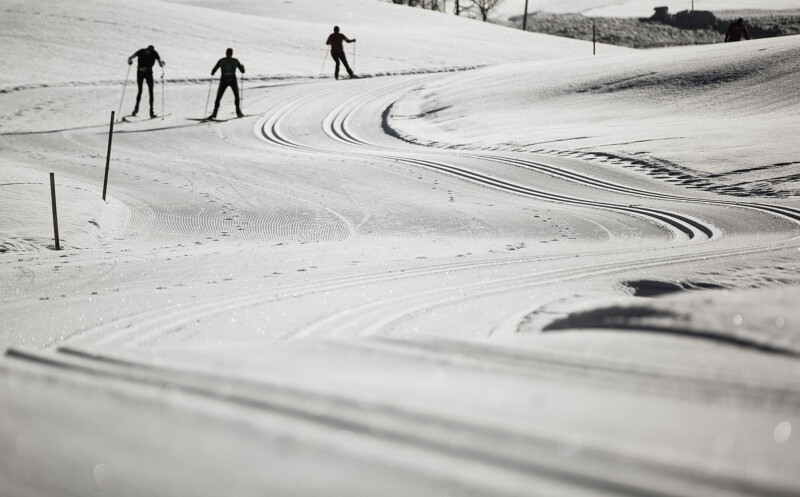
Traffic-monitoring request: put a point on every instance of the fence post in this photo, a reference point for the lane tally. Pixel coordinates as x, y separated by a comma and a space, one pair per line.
108, 154
55, 214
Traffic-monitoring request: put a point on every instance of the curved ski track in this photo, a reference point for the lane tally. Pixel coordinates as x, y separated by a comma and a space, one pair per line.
378, 315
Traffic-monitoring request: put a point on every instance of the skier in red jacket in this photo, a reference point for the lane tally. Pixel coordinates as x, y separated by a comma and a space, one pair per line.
337, 50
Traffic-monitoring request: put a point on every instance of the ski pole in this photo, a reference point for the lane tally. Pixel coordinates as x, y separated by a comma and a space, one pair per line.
210, 84
127, 75
162, 93
323, 64
241, 91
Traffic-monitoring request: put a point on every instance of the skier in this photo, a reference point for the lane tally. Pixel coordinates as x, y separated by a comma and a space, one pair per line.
147, 58
736, 31
337, 50
227, 67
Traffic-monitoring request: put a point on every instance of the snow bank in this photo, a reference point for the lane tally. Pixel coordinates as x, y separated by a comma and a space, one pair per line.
709, 110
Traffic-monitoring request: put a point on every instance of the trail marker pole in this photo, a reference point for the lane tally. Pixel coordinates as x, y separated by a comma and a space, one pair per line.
108, 154
594, 39
127, 75
210, 85
55, 213
525, 17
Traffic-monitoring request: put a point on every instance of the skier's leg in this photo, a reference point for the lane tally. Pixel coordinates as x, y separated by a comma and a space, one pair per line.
235, 88
139, 81
149, 79
336, 59
346, 66
223, 85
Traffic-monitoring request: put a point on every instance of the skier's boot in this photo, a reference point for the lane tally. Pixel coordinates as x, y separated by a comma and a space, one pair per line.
135, 111
239, 113
152, 115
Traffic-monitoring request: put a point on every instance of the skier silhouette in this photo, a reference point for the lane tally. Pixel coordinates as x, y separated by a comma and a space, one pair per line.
147, 58
227, 66
736, 31
337, 50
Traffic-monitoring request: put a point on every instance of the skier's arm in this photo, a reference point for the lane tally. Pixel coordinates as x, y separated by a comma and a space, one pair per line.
241, 67
348, 40
130, 59
215, 68
158, 58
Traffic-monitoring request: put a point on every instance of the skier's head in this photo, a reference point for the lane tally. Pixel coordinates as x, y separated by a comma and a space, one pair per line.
150, 48
336, 29
740, 21
229, 52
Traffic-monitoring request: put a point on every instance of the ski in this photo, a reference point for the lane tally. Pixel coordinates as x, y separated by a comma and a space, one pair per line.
217, 120
136, 119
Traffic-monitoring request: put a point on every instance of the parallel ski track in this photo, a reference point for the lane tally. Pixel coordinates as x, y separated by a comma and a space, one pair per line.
378, 316
529, 452
337, 125
333, 125
149, 325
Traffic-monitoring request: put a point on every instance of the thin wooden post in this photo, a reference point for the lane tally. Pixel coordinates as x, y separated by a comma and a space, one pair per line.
55, 213
525, 17
594, 39
108, 154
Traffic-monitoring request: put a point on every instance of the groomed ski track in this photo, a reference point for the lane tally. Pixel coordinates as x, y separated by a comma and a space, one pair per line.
462, 316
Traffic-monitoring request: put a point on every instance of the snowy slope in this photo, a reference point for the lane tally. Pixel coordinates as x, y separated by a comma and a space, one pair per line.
725, 114
432, 280
89, 40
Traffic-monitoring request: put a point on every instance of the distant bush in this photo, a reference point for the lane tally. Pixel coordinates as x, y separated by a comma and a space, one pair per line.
684, 28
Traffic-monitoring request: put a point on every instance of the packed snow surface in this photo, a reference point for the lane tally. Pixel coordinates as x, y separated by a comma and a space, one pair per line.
493, 264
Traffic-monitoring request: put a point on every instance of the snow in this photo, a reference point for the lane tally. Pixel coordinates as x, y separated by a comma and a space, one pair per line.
495, 264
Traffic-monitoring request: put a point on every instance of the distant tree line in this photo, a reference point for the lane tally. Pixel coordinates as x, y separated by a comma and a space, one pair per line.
458, 7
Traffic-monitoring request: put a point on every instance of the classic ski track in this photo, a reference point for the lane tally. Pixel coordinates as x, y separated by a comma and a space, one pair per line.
163, 319
335, 125
375, 317
648, 378
525, 452
342, 116
213, 306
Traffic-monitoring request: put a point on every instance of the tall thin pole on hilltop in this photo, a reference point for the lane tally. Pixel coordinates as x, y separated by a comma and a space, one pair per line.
525, 17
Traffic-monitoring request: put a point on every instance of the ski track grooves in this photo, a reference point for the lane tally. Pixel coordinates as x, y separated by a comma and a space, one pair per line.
380, 315
336, 125
528, 452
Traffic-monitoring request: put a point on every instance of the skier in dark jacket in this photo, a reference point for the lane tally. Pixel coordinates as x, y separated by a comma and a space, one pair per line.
227, 67
147, 58
337, 50
736, 31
